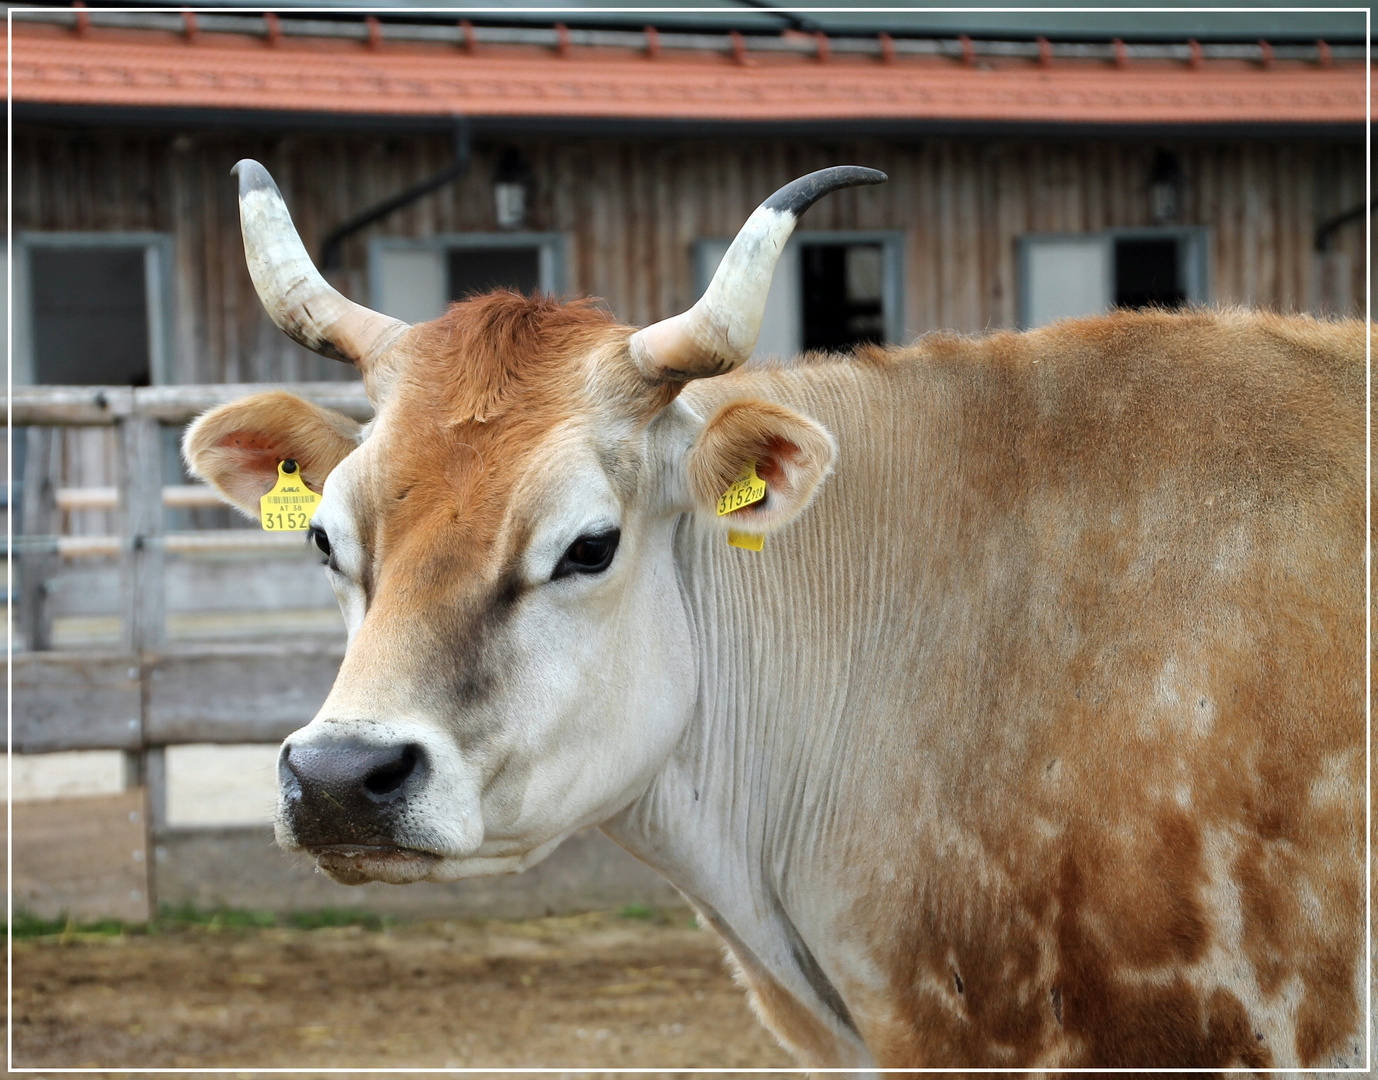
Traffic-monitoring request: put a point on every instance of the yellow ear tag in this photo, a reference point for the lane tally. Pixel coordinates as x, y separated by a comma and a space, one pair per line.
750, 541
748, 488
289, 506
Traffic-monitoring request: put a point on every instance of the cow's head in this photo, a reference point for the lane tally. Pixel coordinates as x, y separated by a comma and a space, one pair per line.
501, 540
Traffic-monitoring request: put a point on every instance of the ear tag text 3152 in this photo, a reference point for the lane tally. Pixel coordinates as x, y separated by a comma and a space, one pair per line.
289, 506
747, 489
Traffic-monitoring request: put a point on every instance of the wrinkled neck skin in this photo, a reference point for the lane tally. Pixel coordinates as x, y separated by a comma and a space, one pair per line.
744, 817
978, 743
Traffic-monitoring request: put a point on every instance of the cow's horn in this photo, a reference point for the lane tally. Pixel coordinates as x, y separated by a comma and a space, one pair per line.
718, 333
295, 295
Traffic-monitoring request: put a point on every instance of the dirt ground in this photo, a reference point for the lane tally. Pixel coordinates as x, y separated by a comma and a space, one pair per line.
589, 991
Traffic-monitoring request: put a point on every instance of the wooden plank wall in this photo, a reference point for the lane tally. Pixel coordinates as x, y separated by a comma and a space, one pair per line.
631, 210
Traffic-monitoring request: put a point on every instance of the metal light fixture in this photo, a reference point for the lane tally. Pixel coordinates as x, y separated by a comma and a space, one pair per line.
511, 190
1165, 189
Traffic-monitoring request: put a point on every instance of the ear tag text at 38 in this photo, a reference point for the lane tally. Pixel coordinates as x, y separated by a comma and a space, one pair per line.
289, 506
748, 488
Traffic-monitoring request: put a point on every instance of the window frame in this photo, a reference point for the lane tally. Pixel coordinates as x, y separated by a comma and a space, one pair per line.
891, 243
550, 260
1194, 258
159, 294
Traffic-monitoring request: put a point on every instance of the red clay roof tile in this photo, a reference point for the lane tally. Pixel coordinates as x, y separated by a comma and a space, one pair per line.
235, 71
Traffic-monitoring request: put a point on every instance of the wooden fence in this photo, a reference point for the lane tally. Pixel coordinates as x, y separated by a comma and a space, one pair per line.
146, 694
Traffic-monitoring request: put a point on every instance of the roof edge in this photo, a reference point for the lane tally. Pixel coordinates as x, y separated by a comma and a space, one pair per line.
177, 118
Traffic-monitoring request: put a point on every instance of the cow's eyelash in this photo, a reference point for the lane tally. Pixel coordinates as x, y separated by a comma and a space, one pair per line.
316, 537
591, 553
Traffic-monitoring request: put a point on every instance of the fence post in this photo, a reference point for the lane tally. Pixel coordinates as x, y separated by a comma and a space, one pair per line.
141, 483
40, 520
154, 768
143, 585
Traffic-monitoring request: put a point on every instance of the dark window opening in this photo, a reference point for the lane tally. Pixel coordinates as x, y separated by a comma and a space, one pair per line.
1147, 274
475, 270
90, 316
843, 295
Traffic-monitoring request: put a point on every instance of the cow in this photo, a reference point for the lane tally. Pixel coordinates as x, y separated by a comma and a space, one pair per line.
1032, 737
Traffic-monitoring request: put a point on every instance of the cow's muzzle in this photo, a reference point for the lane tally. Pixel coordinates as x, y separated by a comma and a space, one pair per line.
348, 796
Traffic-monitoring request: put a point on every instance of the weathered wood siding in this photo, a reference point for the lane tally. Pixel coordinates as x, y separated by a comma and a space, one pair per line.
632, 209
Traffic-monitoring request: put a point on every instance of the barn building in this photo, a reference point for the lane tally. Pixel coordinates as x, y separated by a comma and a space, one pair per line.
1031, 177
1041, 165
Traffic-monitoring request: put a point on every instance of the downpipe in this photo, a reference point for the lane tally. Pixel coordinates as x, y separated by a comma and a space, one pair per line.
330, 249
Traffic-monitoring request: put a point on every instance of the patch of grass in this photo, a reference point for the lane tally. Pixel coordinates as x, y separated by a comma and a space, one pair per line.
186, 916
183, 917
328, 917
29, 925
672, 918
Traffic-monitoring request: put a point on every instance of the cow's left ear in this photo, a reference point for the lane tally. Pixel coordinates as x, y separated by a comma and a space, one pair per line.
792, 454
237, 447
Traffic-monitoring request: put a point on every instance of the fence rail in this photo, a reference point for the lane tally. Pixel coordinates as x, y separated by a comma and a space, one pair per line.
111, 700
205, 541
106, 405
108, 498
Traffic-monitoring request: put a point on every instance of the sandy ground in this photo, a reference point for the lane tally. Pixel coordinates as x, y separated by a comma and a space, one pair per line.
590, 991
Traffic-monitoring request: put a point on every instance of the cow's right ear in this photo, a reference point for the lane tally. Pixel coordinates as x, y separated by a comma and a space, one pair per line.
790, 453
236, 448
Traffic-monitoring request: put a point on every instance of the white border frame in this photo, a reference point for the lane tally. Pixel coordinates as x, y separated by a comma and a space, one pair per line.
1368, 596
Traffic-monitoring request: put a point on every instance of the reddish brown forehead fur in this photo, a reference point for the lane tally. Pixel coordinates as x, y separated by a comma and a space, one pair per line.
475, 392
483, 353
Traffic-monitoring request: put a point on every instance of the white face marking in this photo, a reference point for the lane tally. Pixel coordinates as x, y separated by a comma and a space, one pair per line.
581, 503
336, 516
536, 714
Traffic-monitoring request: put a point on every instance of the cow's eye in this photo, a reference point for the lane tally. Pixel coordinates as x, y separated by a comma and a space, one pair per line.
589, 554
316, 535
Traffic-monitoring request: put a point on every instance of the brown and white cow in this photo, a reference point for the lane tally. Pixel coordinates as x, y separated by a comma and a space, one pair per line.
1037, 740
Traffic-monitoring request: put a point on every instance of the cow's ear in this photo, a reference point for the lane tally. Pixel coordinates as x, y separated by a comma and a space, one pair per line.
236, 447
791, 453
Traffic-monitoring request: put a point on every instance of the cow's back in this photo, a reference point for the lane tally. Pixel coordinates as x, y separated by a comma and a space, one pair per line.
1102, 621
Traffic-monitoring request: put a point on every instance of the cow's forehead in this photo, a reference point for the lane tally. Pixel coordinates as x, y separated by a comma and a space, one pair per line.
502, 354
486, 408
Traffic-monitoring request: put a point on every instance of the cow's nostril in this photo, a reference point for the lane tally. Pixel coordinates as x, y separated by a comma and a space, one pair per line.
387, 778
288, 781
338, 791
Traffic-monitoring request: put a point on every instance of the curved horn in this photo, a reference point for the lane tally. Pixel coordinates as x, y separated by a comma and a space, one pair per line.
718, 333
295, 295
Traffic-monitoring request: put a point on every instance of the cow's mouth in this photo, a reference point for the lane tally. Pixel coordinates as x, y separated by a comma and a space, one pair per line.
355, 864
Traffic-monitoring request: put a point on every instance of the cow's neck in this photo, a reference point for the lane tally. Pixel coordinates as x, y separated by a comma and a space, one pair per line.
751, 816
